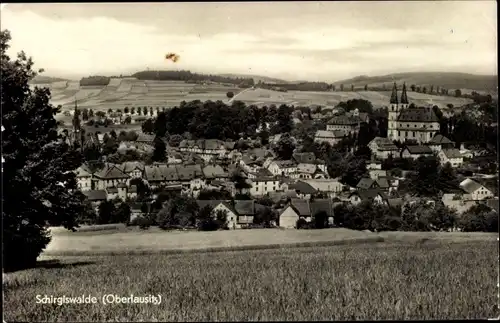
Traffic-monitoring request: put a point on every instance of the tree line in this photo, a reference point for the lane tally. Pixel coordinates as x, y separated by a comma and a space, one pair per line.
188, 77
95, 81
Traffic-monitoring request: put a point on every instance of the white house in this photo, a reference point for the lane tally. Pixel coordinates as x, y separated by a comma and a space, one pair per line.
452, 156
288, 218
263, 185
84, 178
332, 187
475, 189
282, 167
415, 152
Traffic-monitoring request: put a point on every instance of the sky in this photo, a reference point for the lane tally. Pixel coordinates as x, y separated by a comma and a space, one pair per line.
315, 41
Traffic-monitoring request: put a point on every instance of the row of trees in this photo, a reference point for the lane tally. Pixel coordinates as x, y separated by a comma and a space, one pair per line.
188, 76
95, 81
216, 120
420, 215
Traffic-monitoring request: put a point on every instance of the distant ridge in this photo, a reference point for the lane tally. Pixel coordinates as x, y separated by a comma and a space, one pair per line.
449, 80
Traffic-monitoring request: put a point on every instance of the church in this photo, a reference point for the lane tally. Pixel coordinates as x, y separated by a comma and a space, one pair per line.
405, 123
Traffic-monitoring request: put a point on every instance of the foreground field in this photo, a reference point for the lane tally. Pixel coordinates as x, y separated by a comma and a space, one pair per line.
118, 239
133, 240
425, 280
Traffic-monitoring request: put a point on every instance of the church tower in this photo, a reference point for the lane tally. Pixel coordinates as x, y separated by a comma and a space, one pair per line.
393, 114
404, 99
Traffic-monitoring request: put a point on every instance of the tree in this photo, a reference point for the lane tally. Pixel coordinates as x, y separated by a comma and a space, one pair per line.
132, 110
413, 87
239, 181
148, 126
366, 87
122, 213
106, 212
126, 110
458, 93
341, 87
424, 89
352, 87
175, 140
432, 89
479, 218
320, 220
230, 95
160, 125
40, 186
145, 111
160, 150
285, 147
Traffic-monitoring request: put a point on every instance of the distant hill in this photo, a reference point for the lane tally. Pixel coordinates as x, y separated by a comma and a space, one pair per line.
42, 79
449, 80
256, 78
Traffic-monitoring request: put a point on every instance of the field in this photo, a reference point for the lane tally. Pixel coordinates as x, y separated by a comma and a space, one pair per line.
408, 279
130, 92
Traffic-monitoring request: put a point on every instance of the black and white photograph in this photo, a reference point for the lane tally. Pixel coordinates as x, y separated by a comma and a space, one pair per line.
249, 161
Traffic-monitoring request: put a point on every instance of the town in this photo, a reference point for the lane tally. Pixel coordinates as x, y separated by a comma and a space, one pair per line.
239, 161
288, 167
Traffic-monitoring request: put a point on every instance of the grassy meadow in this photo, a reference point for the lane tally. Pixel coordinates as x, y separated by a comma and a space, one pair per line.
405, 279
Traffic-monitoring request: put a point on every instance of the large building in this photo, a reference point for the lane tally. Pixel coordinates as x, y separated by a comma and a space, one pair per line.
420, 124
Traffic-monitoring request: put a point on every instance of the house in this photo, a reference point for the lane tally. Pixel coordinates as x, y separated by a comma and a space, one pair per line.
174, 158
332, 187
493, 204
303, 189
452, 156
211, 172
439, 142
415, 152
371, 195
350, 124
133, 169
476, 190
109, 176
262, 185
296, 209
331, 137
308, 171
84, 178
160, 174
240, 213
208, 148
282, 167
368, 183
382, 148
377, 173
280, 196
250, 164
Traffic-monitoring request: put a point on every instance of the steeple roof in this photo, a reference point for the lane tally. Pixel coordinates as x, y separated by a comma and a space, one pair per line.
404, 97
394, 95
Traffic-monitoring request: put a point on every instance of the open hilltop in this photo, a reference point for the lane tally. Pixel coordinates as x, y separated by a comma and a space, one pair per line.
131, 92
463, 81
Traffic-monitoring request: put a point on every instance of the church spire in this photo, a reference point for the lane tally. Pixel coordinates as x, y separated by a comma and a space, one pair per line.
394, 95
404, 97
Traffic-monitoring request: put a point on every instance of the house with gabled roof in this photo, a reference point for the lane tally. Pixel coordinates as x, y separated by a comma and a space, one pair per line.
370, 195
452, 156
476, 190
308, 171
331, 137
303, 189
240, 213
263, 183
109, 176
211, 172
382, 148
282, 167
416, 151
134, 169
95, 197
439, 142
343, 122
84, 178
331, 187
